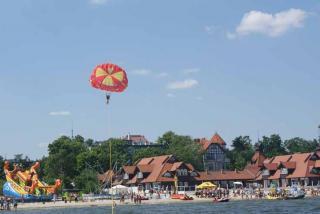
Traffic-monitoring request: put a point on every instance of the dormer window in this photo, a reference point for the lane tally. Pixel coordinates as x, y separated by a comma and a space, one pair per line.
167, 174
265, 172
140, 175
182, 172
284, 171
126, 176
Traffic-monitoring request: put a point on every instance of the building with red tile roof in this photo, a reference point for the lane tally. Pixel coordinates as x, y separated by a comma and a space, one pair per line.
160, 172
136, 140
214, 157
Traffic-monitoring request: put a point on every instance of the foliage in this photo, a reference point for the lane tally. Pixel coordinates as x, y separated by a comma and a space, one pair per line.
184, 148
298, 144
87, 181
241, 153
271, 146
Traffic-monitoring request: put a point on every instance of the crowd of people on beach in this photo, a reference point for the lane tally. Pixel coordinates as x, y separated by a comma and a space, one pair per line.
8, 203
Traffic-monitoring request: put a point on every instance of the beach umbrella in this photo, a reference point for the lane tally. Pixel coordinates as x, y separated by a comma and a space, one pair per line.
206, 185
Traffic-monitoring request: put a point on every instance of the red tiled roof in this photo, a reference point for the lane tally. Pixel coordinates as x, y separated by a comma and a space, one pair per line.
302, 166
317, 164
129, 169
134, 180
136, 139
275, 176
258, 158
190, 166
145, 168
105, 177
271, 166
289, 164
175, 166
216, 138
226, 175
205, 143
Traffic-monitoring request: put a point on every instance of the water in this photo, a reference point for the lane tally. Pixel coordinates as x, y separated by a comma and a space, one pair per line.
262, 206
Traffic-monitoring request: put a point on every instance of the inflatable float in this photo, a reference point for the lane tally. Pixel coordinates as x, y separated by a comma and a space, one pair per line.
24, 185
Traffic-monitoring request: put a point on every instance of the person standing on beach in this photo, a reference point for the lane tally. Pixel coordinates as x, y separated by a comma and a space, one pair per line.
1, 203
15, 204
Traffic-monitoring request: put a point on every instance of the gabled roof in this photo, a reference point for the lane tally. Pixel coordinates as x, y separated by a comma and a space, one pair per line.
302, 166
216, 138
258, 158
175, 166
271, 166
106, 177
145, 168
129, 169
135, 139
288, 164
317, 164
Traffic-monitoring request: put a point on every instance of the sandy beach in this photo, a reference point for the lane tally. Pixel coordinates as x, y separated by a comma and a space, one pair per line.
62, 204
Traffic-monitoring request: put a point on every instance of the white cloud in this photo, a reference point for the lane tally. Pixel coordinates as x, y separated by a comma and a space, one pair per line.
171, 95
59, 113
141, 72
191, 70
98, 2
272, 25
188, 83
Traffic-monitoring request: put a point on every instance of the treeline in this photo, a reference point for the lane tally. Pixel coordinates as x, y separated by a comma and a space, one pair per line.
77, 161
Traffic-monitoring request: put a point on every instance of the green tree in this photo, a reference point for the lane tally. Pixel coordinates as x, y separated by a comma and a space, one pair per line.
298, 144
241, 152
87, 181
184, 148
62, 160
271, 146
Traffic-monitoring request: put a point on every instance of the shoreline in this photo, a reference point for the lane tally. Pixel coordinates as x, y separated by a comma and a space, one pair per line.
108, 203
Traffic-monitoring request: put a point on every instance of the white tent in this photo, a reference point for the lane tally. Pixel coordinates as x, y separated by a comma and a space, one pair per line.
237, 183
118, 189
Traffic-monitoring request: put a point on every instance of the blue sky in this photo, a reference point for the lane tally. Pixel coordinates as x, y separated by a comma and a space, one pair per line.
195, 67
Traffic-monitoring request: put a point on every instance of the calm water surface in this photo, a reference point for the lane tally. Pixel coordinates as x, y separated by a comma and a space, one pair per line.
262, 206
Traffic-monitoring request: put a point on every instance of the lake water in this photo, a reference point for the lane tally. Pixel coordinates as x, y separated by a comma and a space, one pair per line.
262, 206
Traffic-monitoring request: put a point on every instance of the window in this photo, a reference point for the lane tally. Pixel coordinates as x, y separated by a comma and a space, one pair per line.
126, 176
140, 175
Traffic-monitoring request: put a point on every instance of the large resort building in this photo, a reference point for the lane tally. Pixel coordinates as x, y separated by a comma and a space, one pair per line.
167, 173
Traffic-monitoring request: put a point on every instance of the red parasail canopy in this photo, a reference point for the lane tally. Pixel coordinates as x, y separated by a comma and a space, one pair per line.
109, 77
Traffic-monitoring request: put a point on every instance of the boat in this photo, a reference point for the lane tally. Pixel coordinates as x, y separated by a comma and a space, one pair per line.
269, 197
290, 197
186, 198
183, 197
294, 193
221, 200
177, 196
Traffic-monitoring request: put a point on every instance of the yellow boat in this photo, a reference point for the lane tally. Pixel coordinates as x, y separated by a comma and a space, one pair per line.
269, 197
